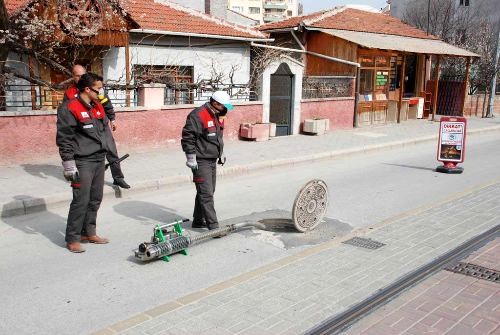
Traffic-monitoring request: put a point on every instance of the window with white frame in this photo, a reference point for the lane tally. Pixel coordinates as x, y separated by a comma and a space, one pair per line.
254, 10
238, 9
178, 81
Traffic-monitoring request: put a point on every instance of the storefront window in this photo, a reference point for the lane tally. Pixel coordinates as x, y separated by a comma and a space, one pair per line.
366, 61
381, 85
394, 74
375, 77
382, 61
366, 84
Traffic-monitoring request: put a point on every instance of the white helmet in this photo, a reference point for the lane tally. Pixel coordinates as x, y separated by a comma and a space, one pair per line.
223, 98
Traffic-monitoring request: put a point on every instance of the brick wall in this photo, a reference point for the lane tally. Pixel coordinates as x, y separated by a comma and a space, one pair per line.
340, 111
30, 136
476, 104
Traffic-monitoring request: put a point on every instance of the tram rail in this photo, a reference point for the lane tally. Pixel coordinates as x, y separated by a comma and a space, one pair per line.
340, 322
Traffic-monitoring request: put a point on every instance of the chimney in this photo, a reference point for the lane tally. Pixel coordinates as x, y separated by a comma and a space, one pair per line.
207, 7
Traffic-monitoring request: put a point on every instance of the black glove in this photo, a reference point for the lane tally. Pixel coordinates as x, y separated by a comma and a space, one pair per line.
222, 160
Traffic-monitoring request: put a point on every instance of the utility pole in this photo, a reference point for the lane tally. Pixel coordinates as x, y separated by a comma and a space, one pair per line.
428, 15
493, 85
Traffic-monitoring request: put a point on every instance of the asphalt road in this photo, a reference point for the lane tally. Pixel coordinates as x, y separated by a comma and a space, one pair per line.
47, 290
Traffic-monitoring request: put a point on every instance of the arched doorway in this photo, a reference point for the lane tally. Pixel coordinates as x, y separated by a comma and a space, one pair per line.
281, 100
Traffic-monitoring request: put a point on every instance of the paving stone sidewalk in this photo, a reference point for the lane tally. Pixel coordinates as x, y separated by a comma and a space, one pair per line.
294, 294
28, 188
446, 303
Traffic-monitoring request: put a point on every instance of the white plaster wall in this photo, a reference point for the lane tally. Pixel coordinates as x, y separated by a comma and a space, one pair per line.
199, 5
113, 70
202, 59
265, 89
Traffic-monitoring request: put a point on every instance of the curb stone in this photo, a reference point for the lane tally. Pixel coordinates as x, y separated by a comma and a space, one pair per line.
30, 205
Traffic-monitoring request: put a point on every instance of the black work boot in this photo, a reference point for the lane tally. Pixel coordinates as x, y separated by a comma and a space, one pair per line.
199, 224
120, 182
213, 226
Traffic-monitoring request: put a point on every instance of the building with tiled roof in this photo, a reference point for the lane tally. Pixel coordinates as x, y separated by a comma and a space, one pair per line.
371, 60
170, 17
352, 19
165, 17
178, 45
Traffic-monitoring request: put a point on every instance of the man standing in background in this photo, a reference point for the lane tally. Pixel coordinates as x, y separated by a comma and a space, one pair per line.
112, 155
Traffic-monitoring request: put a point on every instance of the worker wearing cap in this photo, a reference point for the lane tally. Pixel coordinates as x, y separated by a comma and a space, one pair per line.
204, 148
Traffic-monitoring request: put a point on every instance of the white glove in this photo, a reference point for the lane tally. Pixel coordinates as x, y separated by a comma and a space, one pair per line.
191, 162
70, 171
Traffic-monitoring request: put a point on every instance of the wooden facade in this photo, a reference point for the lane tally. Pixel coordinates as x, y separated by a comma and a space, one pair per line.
331, 46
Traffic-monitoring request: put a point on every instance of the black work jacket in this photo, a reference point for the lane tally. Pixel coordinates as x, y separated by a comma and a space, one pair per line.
81, 130
202, 133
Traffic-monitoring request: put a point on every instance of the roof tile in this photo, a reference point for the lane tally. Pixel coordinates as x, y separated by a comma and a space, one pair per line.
345, 18
166, 16
13, 5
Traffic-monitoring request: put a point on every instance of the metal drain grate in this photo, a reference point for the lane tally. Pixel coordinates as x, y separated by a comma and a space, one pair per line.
364, 243
476, 271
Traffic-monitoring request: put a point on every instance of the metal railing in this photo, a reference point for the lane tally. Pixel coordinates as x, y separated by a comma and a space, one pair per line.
237, 92
327, 87
25, 97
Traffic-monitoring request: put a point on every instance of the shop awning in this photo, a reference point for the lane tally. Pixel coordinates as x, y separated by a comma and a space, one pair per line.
399, 43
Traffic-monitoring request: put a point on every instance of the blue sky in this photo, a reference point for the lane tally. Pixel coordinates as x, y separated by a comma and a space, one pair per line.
315, 5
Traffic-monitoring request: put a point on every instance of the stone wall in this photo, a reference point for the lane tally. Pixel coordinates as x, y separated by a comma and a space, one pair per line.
476, 104
30, 136
340, 111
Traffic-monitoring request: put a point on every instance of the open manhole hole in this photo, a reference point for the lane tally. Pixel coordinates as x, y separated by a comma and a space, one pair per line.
279, 225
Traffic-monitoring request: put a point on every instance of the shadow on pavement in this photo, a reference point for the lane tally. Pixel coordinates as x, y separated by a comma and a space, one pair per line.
147, 212
44, 171
412, 167
47, 224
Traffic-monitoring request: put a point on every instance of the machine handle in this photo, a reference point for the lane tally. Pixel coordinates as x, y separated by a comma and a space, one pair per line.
171, 224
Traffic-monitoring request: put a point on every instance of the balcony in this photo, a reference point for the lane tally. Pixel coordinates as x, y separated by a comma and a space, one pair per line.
275, 5
273, 18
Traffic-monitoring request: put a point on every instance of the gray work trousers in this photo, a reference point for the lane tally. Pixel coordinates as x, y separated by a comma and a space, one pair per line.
112, 156
87, 197
205, 179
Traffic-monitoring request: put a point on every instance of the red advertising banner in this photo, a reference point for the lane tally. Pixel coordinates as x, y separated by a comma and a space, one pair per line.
451, 144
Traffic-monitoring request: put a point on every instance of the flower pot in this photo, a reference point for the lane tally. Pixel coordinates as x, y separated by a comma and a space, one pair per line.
272, 129
316, 126
256, 132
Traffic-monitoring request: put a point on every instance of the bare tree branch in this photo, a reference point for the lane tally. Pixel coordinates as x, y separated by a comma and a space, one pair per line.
37, 81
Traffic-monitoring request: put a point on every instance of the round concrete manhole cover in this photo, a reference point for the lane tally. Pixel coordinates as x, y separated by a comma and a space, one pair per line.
310, 205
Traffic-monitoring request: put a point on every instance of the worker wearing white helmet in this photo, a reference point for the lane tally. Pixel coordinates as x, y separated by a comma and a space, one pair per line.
203, 145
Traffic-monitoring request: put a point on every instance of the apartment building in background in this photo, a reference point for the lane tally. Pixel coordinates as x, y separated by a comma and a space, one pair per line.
265, 11
219, 9
489, 8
